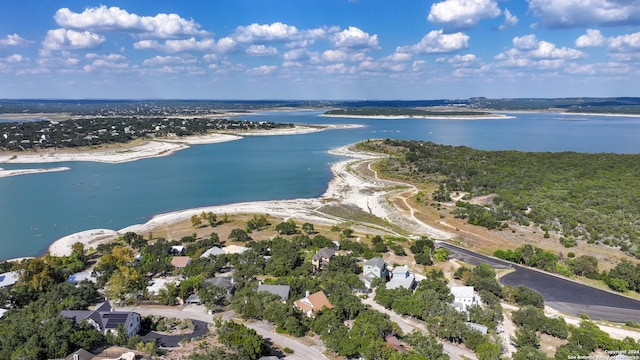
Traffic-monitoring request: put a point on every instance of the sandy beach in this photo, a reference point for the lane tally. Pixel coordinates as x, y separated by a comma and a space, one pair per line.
346, 188
7, 173
443, 117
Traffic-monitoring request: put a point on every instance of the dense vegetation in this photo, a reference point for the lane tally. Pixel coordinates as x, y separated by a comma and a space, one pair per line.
581, 197
97, 131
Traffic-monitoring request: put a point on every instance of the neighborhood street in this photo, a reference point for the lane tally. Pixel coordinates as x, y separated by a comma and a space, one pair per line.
300, 351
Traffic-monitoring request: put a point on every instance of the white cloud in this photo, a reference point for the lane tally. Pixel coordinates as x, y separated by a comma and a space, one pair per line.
174, 46
577, 13
296, 55
261, 50
463, 60
621, 43
510, 20
265, 33
16, 58
103, 19
111, 62
354, 38
226, 45
262, 70
13, 40
462, 14
437, 42
170, 60
529, 52
593, 38
625, 43
63, 39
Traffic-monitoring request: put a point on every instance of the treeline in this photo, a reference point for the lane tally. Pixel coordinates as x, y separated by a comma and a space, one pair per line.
580, 197
17, 136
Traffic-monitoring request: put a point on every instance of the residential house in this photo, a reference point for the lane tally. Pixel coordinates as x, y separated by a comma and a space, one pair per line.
180, 262
105, 319
280, 290
463, 297
213, 251
223, 282
402, 277
79, 276
394, 343
373, 269
312, 303
80, 354
2, 312
177, 250
322, 257
477, 327
9, 279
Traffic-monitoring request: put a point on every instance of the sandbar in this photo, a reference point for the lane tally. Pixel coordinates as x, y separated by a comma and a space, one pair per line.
15, 172
425, 117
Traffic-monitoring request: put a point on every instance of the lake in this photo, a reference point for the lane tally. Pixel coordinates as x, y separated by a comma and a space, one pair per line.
37, 209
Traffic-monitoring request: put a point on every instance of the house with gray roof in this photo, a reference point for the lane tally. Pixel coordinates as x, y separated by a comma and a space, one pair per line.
322, 257
213, 251
463, 297
104, 319
373, 269
402, 278
280, 290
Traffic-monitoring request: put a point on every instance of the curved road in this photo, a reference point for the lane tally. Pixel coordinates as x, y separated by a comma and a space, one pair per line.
559, 293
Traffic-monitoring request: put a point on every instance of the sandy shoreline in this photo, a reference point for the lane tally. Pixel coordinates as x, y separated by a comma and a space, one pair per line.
345, 188
443, 117
15, 172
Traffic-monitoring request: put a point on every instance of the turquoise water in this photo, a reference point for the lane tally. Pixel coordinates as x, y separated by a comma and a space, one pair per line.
35, 210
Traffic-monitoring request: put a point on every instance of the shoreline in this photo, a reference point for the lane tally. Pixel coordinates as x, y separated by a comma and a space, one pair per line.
16, 172
149, 149
345, 188
423, 117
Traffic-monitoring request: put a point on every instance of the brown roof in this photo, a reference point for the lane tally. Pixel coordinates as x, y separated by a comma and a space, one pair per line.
180, 261
314, 302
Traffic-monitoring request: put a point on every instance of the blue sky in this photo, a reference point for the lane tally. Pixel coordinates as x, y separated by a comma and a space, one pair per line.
319, 49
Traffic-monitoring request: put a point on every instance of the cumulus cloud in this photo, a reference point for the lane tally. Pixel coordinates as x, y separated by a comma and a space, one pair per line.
510, 20
463, 60
462, 14
103, 19
265, 33
342, 56
170, 60
528, 51
593, 38
174, 46
64, 39
16, 58
112, 62
577, 13
620, 44
261, 50
13, 40
436, 42
354, 38
262, 70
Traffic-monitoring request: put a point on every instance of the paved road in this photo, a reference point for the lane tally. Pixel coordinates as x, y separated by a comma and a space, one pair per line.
198, 313
560, 293
408, 324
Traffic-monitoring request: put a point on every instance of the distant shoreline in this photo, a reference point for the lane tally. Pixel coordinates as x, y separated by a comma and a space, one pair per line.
426, 117
149, 149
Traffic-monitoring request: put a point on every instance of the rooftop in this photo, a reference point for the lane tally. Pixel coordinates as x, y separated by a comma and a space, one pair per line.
280, 290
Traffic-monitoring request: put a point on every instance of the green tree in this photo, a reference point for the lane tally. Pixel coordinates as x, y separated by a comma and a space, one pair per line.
488, 351
308, 228
586, 265
239, 235
288, 227
442, 254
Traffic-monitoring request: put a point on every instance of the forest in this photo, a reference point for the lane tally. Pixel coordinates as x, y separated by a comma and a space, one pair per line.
578, 196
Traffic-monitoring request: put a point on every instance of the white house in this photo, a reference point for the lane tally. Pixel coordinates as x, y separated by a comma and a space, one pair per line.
402, 277
373, 269
463, 297
9, 278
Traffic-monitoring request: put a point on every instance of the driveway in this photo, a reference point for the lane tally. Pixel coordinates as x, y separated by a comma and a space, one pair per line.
301, 351
560, 293
169, 341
